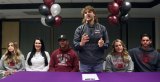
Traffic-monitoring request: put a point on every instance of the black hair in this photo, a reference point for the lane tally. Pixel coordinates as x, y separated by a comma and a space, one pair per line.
146, 35
34, 51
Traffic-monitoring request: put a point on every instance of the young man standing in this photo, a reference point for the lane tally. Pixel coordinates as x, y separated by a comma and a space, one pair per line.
90, 41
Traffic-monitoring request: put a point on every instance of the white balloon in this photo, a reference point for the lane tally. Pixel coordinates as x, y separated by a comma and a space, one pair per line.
55, 9
43, 21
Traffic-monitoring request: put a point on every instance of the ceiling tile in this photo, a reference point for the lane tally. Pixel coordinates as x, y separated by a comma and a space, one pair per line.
4, 2
36, 1
103, 0
139, 0
62, 1
81, 1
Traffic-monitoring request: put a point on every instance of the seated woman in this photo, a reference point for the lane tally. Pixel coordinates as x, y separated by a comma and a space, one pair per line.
12, 61
119, 60
38, 59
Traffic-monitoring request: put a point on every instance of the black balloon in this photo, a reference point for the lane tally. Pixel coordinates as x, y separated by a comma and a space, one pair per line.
124, 19
50, 20
44, 10
125, 8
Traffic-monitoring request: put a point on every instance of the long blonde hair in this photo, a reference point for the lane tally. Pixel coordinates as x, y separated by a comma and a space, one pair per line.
90, 8
12, 56
125, 54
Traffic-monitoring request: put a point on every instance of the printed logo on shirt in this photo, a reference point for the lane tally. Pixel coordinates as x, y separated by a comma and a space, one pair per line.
119, 64
97, 31
62, 59
11, 63
146, 58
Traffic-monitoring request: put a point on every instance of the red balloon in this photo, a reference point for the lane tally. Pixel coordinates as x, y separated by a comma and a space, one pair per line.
58, 21
113, 8
49, 3
113, 20
119, 2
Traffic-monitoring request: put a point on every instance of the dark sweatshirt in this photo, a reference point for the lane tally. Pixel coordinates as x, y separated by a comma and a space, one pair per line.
64, 61
145, 60
91, 53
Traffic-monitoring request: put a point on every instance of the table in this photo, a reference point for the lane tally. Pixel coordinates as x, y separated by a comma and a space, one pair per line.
77, 77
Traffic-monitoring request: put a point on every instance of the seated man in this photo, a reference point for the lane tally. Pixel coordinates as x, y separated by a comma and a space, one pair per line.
64, 59
145, 57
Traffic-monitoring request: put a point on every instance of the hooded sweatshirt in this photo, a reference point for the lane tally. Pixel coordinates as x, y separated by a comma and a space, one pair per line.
64, 61
145, 60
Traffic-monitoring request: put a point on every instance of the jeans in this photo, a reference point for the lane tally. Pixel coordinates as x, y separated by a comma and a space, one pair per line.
91, 68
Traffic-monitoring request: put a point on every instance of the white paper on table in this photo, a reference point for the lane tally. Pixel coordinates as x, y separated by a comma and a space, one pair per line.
88, 77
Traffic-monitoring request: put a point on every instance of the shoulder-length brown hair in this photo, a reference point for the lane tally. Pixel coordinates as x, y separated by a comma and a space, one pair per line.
89, 8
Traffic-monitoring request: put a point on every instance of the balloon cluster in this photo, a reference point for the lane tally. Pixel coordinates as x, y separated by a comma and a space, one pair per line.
119, 12
50, 13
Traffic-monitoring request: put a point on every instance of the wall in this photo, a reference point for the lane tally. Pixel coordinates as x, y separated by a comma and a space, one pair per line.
157, 32
31, 29
137, 27
10, 32
28, 29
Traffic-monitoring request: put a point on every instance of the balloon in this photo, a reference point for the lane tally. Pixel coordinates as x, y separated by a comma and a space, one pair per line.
58, 20
43, 18
124, 18
113, 8
126, 6
119, 2
43, 10
49, 20
112, 20
55, 9
48, 2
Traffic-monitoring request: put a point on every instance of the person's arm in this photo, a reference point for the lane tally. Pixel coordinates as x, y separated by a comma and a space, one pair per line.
2, 64
158, 63
108, 65
52, 63
46, 68
77, 38
2, 69
26, 63
130, 67
22, 61
106, 38
75, 63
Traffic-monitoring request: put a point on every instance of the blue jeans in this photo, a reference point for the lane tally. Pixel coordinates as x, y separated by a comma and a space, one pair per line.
91, 68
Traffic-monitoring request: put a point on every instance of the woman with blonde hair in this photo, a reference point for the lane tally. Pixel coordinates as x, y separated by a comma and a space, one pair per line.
119, 60
12, 61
